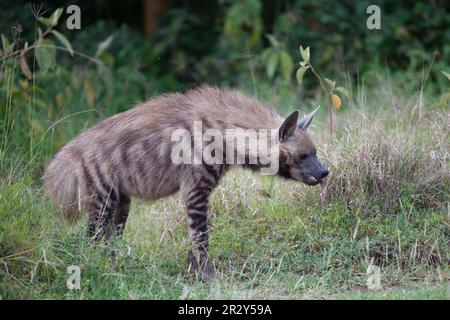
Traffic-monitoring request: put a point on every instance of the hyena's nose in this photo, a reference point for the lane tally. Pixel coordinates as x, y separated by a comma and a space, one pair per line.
323, 173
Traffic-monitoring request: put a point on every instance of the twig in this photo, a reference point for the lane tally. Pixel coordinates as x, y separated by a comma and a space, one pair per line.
328, 94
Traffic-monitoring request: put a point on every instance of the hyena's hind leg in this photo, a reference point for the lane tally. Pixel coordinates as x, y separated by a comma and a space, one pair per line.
120, 216
118, 221
195, 193
101, 210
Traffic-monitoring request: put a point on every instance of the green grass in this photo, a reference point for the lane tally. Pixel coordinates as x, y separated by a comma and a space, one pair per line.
273, 249
422, 293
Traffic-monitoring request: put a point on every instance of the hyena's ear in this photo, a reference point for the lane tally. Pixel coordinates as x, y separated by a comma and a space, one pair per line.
306, 121
288, 127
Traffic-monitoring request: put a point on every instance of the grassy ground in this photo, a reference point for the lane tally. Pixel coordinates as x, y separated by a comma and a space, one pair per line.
425, 293
386, 203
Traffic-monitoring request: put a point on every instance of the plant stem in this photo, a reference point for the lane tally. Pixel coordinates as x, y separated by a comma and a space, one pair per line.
328, 96
20, 52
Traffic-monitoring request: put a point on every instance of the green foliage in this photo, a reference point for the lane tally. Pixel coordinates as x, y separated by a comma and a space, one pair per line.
63, 41
195, 37
447, 75
337, 31
243, 23
276, 59
45, 54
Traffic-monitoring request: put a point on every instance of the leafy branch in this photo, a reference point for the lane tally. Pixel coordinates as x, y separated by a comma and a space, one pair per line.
43, 47
330, 92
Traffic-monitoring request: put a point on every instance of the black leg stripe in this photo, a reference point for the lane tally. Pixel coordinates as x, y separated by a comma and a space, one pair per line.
197, 216
198, 206
198, 225
198, 198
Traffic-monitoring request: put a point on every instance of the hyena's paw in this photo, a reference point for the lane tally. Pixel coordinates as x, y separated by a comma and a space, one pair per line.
206, 267
208, 272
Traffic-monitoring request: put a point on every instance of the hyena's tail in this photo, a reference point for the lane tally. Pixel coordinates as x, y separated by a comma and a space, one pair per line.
62, 187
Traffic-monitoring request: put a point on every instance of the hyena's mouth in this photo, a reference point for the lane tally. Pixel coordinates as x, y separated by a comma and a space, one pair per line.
310, 180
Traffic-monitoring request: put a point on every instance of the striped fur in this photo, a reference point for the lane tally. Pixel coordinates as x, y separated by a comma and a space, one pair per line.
129, 155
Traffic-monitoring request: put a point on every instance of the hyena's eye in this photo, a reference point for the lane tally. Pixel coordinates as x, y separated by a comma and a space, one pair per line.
303, 156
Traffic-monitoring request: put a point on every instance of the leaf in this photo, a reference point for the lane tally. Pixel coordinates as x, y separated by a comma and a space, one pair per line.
336, 101
343, 91
107, 58
305, 54
36, 127
64, 41
300, 73
7, 47
273, 41
104, 45
272, 64
41, 104
25, 68
331, 83
45, 54
106, 76
89, 93
446, 74
59, 100
24, 84
44, 21
5, 42
445, 98
55, 17
287, 65
265, 55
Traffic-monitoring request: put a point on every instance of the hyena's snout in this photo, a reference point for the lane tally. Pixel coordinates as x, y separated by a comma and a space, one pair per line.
313, 172
322, 172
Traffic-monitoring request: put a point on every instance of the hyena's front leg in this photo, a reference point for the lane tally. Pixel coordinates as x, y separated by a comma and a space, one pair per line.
197, 211
196, 197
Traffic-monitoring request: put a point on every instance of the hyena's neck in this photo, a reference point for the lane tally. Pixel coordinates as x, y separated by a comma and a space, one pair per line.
259, 154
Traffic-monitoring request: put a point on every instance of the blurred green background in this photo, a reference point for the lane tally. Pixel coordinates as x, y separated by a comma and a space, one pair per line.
183, 43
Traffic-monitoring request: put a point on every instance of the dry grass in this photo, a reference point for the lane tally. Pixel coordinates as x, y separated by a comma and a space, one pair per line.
379, 168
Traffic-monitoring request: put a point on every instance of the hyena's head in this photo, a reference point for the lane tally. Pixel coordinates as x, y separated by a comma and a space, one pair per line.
298, 158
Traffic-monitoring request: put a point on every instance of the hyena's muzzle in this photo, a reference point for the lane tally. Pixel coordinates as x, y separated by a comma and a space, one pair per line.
312, 171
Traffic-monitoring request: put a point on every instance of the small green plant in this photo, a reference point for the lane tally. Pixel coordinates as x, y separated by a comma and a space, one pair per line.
44, 48
28, 88
330, 92
19, 90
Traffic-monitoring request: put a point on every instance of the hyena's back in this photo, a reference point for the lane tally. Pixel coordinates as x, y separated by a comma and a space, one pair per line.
130, 154
124, 155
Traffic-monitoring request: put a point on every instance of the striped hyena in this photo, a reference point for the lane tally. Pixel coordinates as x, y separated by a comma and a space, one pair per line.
130, 154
